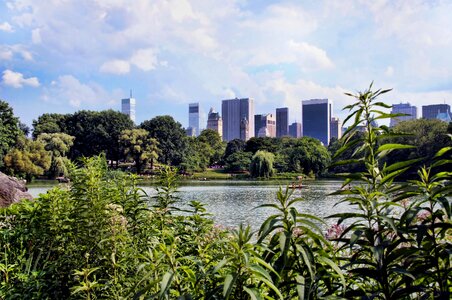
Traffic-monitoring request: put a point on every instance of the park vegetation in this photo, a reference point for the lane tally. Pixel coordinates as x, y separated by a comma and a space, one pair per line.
102, 237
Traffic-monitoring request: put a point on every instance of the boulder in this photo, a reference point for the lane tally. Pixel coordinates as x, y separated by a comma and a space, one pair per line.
12, 190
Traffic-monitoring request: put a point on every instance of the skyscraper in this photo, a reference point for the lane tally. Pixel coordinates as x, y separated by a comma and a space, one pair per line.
403, 108
316, 117
215, 122
128, 107
238, 118
335, 128
265, 125
193, 118
282, 121
432, 111
295, 130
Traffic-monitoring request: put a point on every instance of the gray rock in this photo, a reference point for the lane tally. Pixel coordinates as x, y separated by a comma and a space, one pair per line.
12, 190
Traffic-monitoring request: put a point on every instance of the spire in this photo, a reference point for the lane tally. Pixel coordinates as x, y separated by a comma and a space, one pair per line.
131, 93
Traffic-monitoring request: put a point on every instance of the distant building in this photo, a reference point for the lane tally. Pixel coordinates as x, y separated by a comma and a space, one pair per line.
215, 122
282, 122
432, 111
335, 128
295, 130
316, 117
190, 131
238, 118
403, 108
193, 118
265, 125
128, 107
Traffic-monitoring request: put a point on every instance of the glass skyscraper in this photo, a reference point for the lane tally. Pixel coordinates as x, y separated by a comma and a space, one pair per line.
282, 121
316, 118
128, 107
238, 118
193, 118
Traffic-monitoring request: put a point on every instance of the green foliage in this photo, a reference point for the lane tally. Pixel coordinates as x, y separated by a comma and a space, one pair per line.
102, 237
238, 161
58, 144
170, 136
9, 129
49, 123
388, 249
262, 164
140, 147
27, 159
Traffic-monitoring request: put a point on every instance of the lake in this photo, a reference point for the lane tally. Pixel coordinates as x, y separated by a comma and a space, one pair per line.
234, 202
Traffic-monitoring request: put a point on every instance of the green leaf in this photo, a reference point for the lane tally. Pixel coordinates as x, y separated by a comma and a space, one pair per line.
228, 285
386, 147
254, 294
165, 284
300, 286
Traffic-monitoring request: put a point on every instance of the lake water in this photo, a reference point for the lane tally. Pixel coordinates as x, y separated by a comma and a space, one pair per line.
235, 202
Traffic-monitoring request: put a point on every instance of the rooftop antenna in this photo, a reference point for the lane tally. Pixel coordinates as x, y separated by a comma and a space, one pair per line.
130, 93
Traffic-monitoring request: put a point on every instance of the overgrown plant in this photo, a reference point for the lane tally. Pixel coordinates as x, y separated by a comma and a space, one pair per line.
383, 240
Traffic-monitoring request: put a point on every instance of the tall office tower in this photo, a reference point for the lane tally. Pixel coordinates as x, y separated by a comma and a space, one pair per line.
215, 122
335, 128
403, 108
128, 107
282, 121
316, 117
238, 119
295, 130
265, 125
193, 118
436, 110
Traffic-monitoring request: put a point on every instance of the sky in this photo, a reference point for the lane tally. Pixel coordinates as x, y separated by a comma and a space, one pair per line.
61, 56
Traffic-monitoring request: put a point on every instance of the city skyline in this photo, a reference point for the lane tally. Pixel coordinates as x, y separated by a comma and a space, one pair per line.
172, 53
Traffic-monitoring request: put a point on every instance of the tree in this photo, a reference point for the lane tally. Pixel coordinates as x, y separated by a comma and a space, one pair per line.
97, 132
234, 146
213, 140
49, 123
139, 146
238, 161
28, 159
58, 144
170, 136
262, 164
428, 137
197, 155
268, 144
9, 129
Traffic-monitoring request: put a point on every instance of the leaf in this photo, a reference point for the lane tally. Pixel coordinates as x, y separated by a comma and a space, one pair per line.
386, 147
165, 283
254, 294
300, 286
228, 285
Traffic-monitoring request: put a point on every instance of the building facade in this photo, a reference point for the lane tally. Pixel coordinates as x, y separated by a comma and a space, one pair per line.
432, 111
295, 130
316, 118
193, 118
128, 107
215, 122
282, 121
335, 128
265, 125
238, 118
403, 108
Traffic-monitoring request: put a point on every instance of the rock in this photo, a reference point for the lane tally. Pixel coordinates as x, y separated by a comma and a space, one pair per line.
12, 190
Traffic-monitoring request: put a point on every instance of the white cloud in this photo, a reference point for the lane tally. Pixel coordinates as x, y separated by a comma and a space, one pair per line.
144, 59
7, 52
17, 80
389, 71
68, 89
116, 66
5, 26
36, 36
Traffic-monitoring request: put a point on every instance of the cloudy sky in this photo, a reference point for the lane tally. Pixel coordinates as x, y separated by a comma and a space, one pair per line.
66, 55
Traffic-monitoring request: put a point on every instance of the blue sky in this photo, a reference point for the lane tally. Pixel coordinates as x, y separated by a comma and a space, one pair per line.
65, 55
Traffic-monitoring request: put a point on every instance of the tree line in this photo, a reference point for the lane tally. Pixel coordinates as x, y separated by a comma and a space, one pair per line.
58, 138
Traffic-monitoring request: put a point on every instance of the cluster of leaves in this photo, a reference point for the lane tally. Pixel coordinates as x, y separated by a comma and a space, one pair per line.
396, 242
304, 155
